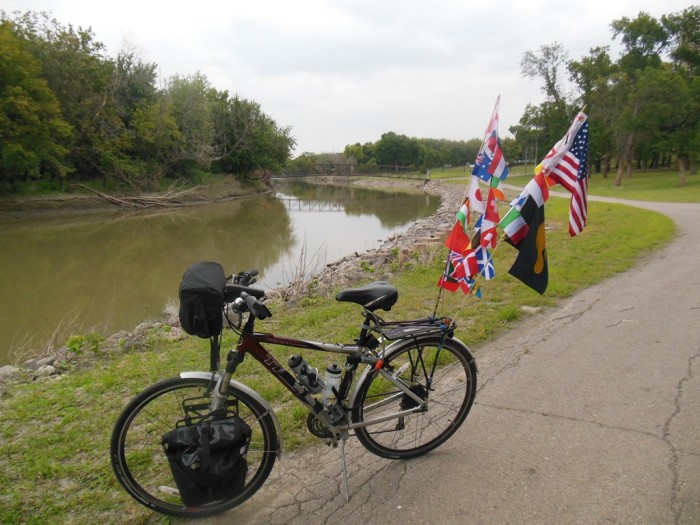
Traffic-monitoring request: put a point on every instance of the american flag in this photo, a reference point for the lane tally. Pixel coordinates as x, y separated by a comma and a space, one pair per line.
578, 209
567, 171
567, 164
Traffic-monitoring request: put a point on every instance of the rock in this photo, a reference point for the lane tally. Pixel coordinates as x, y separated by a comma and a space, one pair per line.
37, 363
531, 309
46, 370
8, 371
143, 327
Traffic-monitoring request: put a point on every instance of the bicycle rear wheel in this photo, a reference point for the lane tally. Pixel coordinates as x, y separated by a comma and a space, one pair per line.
444, 375
140, 463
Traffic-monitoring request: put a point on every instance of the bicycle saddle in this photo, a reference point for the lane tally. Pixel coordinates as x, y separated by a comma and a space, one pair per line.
379, 295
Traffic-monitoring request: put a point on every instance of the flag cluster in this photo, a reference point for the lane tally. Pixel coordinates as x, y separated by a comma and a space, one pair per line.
470, 258
523, 225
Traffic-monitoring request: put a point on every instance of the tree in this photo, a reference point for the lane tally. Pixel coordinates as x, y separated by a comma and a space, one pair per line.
594, 75
245, 138
541, 126
361, 153
32, 132
684, 36
547, 65
133, 85
644, 39
157, 140
190, 100
74, 65
512, 150
397, 150
683, 30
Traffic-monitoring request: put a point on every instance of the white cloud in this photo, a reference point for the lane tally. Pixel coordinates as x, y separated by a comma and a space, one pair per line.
346, 71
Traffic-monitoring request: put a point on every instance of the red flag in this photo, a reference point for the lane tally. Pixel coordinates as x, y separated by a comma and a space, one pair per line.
490, 219
458, 240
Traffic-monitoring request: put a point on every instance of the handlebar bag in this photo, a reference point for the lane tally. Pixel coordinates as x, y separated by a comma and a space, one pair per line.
202, 299
208, 459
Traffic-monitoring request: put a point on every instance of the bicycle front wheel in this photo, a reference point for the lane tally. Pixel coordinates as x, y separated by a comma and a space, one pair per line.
441, 373
139, 460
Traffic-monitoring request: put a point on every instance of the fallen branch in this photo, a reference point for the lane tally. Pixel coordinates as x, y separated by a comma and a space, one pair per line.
172, 197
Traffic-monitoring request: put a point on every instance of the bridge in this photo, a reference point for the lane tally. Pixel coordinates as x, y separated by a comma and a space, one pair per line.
340, 169
294, 204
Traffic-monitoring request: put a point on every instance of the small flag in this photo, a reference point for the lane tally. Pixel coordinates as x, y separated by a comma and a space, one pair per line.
530, 265
490, 219
458, 240
474, 199
485, 263
458, 272
513, 224
490, 163
538, 187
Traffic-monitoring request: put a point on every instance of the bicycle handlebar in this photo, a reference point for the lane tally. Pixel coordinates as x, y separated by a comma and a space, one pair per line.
255, 307
243, 296
246, 278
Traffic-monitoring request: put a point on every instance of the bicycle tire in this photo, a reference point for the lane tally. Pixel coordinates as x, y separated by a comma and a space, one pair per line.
450, 397
139, 461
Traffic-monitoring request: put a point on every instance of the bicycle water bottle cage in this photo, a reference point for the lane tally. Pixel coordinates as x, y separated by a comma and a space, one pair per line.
379, 295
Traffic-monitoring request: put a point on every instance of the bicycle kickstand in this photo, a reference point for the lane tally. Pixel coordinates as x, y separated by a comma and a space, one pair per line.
343, 438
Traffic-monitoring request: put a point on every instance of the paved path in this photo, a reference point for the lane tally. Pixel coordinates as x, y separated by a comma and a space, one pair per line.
589, 413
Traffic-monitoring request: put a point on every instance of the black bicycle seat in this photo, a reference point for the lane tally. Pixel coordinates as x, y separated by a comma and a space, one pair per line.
379, 295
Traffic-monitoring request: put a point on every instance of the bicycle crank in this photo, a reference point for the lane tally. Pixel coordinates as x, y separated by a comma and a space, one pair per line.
317, 428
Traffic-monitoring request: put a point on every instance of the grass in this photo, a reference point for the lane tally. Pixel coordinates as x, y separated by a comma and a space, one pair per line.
653, 185
660, 186
54, 446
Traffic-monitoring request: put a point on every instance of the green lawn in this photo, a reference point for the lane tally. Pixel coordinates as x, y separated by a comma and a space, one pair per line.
660, 186
656, 185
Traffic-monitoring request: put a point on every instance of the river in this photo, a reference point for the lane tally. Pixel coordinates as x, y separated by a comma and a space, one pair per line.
104, 272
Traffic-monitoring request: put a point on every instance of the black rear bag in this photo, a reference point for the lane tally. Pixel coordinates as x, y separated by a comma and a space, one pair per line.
208, 459
202, 299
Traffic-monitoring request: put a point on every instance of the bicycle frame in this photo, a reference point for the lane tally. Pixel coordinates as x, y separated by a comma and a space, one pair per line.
252, 343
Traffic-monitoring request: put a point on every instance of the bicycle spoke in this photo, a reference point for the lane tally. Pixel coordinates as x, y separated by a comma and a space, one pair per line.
439, 372
139, 457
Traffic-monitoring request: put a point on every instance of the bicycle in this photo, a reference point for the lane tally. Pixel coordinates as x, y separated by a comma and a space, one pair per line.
416, 388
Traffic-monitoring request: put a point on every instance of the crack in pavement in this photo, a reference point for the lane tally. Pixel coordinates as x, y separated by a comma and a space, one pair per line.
551, 415
676, 500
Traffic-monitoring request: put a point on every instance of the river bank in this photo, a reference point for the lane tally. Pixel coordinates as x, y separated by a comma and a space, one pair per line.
341, 273
82, 200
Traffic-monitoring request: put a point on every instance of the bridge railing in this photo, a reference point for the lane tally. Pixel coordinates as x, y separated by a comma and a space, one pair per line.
321, 169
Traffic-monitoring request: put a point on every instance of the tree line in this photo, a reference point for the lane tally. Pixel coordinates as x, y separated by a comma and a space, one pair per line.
643, 107
69, 112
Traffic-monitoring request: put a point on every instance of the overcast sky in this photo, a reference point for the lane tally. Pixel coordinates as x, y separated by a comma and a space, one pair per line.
346, 71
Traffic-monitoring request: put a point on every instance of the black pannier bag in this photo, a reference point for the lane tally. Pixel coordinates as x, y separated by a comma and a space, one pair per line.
207, 459
202, 299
